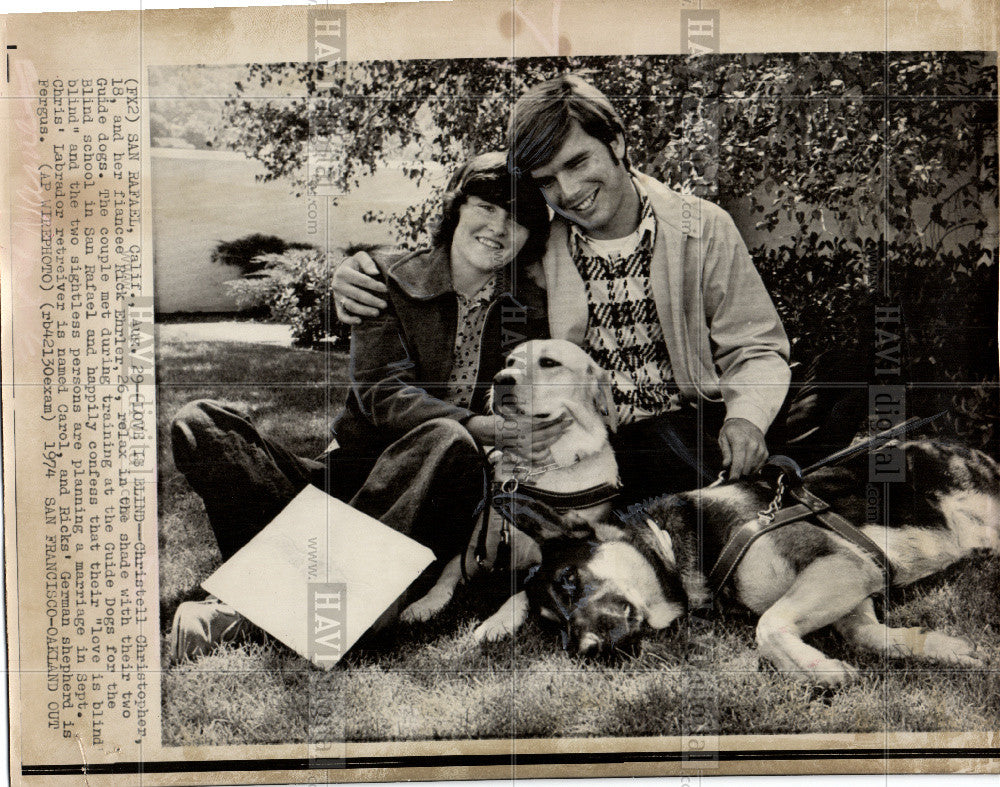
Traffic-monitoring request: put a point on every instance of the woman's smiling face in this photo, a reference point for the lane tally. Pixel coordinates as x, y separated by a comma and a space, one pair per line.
486, 237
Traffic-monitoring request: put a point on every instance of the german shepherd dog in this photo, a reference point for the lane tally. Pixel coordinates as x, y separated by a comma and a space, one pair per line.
605, 584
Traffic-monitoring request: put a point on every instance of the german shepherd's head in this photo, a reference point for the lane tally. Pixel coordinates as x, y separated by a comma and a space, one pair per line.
603, 585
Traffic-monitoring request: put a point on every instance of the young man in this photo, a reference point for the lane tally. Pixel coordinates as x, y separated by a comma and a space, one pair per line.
657, 286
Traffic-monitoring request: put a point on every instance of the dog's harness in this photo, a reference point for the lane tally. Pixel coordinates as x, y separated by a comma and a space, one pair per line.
504, 493
502, 496
562, 502
808, 507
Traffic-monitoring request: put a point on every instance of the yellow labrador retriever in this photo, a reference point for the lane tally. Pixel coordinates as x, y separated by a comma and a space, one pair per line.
542, 381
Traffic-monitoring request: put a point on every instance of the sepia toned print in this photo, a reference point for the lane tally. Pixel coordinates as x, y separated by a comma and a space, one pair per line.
515, 294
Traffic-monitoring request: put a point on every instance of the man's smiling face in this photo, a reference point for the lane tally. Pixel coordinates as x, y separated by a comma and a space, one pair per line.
587, 186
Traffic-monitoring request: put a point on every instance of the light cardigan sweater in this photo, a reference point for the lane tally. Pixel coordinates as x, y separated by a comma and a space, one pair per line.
723, 335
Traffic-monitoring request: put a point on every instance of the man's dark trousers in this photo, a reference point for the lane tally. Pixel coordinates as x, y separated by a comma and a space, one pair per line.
679, 451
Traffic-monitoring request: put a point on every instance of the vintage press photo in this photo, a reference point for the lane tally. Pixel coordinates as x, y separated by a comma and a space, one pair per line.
289, 498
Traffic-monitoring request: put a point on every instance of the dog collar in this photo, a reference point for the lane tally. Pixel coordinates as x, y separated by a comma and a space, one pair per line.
567, 501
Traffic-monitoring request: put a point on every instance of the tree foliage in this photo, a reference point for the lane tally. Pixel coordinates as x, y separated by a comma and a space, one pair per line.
871, 177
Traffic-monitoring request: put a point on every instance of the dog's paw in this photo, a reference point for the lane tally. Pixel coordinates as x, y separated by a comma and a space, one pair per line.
504, 621
425, 608
829, 673
492, 630
957, 651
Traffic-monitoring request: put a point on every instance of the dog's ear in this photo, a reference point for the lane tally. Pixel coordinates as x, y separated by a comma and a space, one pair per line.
604, 402
540, 521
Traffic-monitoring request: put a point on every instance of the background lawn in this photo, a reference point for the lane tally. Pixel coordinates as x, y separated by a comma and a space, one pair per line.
431, 681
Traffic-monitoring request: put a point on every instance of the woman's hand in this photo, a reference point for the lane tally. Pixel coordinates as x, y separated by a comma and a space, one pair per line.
527, 438
485, 428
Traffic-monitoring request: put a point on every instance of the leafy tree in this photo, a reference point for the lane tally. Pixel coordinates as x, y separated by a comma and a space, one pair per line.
873, 176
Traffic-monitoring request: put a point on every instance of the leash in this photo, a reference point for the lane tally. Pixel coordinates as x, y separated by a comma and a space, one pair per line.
885, 436
479, 554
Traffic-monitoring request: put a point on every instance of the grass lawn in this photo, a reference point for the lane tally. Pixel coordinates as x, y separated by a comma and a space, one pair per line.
431, 681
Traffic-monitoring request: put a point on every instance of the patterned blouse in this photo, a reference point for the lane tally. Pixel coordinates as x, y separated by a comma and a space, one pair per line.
472, 313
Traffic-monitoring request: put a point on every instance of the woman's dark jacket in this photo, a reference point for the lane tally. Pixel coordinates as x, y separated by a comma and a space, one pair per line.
401, 360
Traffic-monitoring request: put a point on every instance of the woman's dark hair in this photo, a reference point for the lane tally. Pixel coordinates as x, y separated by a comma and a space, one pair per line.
543, 117
486, 176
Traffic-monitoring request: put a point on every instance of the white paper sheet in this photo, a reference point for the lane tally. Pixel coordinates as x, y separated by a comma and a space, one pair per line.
314, 545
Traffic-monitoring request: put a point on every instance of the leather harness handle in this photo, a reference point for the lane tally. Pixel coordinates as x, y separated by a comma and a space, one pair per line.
808, 507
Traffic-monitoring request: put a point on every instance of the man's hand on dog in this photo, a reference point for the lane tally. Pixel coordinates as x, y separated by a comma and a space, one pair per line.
528, 439
743, 447
356, 289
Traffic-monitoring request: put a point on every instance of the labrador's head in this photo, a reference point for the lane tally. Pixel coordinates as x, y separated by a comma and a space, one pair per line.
546, 377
